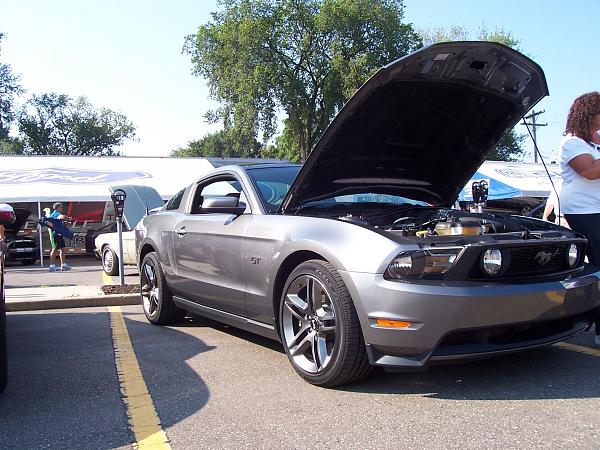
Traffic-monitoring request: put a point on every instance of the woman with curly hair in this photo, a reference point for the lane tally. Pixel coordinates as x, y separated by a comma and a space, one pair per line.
580, 171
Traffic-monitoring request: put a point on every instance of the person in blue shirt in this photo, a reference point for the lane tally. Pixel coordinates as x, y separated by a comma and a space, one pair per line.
57, 240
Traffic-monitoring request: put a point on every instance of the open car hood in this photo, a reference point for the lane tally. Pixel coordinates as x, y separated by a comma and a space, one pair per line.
21, 216
422, 125
138, 201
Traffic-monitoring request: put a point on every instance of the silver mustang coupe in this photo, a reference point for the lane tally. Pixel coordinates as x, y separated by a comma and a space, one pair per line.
356, 259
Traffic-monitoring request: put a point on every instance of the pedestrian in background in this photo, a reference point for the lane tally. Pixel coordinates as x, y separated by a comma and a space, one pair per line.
553, 206
580, 171
57, 240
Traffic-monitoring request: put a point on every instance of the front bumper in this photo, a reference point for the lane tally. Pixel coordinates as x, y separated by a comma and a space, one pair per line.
454, 321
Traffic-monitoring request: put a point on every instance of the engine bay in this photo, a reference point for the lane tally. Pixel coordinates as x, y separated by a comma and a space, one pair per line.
423, 222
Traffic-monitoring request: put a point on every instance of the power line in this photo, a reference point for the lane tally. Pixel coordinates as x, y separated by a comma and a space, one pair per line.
533, 124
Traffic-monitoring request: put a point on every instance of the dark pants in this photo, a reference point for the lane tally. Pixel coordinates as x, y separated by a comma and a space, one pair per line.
589, 226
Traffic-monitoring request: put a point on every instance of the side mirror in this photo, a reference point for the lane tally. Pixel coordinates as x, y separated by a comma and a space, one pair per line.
223, 205
7, 214
155, 210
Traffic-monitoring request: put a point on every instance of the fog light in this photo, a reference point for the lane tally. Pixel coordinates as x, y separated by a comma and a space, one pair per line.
572, 255
492, 261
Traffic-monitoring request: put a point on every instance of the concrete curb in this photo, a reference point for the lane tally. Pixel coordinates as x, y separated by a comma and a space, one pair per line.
73, 302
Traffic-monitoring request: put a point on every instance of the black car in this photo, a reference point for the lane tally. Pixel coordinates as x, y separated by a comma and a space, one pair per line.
20, 248
7, 217
91, 235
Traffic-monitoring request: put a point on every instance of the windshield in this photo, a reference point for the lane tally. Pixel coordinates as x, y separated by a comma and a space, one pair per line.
272, 183
363, 198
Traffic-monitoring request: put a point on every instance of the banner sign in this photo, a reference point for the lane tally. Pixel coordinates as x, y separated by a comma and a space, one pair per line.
67, 176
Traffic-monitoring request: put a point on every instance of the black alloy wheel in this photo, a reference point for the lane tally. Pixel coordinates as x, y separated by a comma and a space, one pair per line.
157, 299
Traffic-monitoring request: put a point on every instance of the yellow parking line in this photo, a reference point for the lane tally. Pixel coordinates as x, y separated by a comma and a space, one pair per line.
143, 419
106, 279
578, 349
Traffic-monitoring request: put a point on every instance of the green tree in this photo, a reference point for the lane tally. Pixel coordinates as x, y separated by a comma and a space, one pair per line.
304, 57
9, 90
510, 147
220, 144
55, 124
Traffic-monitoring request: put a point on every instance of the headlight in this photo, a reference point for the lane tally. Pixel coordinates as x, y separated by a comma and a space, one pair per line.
572, 255
492, 261
421, 262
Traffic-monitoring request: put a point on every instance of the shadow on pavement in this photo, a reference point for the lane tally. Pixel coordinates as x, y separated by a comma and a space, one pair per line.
63, 389
547, 373
177, 391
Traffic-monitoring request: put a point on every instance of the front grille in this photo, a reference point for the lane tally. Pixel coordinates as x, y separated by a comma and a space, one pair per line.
21, 243
529, 261
534, 260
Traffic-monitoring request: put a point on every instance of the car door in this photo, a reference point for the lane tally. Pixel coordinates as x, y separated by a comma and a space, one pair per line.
208, 249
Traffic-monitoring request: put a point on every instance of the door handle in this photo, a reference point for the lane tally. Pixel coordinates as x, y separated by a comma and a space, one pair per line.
181, 231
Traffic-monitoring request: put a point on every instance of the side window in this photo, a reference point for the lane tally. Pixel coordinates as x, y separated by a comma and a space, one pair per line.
220, 187
175, 200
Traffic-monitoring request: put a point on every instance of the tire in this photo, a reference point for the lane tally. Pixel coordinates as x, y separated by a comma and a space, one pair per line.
157, 299
110, 261
321, 333
28, 262
3, 349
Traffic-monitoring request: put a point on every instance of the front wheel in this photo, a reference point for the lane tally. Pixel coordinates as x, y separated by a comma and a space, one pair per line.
157, 299
319, 327
110, 261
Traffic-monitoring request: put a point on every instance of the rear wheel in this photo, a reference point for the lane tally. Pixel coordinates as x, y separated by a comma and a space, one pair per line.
110, 261
157, 298
319, 326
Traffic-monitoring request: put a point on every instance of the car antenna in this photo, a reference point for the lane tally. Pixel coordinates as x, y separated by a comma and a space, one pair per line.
537, 150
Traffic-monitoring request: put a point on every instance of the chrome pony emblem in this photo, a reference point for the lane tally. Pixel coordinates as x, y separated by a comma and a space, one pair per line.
543, 257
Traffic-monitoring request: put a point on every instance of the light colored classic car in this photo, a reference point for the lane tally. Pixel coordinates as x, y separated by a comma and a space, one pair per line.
356, 259
139, 201
107, 246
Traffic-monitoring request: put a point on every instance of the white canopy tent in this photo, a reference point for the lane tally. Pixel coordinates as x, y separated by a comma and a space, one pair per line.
38, 179
70, 178
515, 179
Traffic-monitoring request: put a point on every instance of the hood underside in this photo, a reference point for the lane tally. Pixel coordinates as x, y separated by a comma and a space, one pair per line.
421, 126
139, 199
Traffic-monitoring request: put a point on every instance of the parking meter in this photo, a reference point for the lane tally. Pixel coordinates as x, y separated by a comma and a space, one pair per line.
118, 198
483, 191
480, 190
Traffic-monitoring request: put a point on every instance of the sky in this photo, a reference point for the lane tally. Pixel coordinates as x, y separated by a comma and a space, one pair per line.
127, 56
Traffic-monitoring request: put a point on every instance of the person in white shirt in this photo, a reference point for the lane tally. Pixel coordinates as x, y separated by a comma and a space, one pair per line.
580, 171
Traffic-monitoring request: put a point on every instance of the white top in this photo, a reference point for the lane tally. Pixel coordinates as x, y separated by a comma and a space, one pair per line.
578, 195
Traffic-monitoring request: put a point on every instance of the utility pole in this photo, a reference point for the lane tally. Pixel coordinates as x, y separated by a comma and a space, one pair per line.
533, 124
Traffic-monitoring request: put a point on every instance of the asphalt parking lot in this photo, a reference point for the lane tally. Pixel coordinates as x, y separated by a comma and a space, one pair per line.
213, 386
